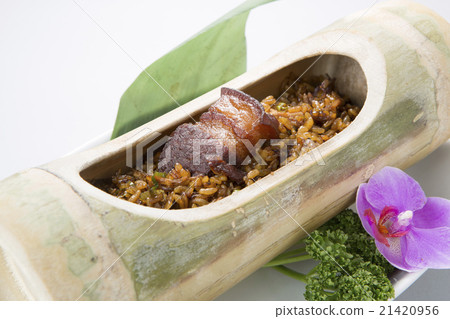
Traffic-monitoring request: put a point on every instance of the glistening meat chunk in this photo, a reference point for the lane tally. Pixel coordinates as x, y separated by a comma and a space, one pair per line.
219, 141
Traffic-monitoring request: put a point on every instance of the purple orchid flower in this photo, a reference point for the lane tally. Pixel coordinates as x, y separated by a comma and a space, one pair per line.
410, 230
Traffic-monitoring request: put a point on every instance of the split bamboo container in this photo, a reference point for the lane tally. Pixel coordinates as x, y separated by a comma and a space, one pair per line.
61, 238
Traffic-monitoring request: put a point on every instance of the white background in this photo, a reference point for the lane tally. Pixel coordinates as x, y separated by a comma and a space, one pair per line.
61, 75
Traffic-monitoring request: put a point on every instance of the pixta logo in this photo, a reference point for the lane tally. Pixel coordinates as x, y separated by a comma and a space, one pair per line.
142, 147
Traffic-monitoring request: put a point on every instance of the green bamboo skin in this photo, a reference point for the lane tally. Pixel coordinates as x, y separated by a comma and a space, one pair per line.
60, 240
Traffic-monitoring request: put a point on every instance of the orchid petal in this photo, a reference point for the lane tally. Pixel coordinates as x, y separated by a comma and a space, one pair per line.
392, 187
361, 206
428, 248
435, 213
394, 253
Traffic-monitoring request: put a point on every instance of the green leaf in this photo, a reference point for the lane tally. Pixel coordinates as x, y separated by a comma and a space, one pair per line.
212, 57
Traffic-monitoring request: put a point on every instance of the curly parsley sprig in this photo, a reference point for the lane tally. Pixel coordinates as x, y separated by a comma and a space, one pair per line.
341, 242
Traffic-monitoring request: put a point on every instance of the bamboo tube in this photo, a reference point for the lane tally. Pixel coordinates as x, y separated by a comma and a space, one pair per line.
63, 239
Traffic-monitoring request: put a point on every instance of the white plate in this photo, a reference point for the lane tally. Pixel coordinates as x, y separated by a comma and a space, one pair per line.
268, 284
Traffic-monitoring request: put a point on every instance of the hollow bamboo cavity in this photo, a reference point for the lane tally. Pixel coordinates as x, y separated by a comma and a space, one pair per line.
62, 238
